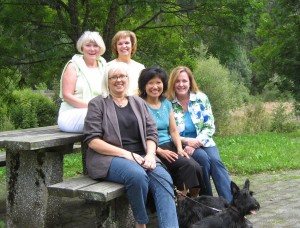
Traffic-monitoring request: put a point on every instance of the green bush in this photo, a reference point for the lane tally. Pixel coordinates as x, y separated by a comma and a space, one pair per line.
257, 119
272, 92
5, 123
284, 121
222, 87
29, 109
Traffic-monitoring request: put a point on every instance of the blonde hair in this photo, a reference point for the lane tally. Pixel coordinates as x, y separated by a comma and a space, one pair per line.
123, 34
110, 69
89, 36
170, 94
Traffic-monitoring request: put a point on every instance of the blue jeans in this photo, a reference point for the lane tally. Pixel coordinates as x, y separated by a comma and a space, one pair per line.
210, 160
137, 184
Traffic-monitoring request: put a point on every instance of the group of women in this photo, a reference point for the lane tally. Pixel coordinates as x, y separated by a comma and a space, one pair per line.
143, 129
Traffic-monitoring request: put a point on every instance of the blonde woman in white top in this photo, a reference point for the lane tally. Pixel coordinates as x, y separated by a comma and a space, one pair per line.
123, 46
81, 80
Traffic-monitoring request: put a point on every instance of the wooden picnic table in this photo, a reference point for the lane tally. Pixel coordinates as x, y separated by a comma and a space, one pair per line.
34, 160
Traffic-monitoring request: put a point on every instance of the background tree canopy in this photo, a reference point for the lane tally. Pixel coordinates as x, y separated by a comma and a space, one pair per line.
257, 39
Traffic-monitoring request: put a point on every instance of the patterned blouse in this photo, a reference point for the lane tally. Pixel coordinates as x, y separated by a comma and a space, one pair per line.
201, 114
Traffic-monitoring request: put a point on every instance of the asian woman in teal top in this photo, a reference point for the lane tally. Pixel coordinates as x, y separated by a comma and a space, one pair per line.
186, 172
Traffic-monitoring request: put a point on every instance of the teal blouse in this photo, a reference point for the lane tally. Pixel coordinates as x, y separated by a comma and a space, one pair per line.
161, 117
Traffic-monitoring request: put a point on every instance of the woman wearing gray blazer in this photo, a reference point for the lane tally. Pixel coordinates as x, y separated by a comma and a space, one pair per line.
122, 139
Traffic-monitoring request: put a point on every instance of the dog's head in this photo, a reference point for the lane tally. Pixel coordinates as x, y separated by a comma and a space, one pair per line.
243, 199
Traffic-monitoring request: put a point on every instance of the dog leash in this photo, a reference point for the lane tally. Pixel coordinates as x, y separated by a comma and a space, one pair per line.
156, 176
189, 198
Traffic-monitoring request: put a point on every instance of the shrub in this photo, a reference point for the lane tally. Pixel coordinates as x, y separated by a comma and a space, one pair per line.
29, 109
222, 89
5, 123
283, 121
257, 119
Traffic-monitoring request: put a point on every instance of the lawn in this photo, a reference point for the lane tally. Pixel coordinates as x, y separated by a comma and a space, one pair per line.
242, 155
263, 152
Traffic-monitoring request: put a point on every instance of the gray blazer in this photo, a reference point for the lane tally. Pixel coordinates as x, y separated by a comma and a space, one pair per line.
101, 122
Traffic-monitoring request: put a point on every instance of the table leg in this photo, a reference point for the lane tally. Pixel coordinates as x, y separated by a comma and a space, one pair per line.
28, 175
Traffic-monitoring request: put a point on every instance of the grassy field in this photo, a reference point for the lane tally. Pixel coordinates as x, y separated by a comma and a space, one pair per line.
242, 155
257, 153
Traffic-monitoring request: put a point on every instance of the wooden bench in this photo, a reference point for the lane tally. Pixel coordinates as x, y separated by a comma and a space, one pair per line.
35, 186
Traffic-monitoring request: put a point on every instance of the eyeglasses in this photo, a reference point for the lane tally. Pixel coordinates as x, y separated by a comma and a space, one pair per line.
116, 77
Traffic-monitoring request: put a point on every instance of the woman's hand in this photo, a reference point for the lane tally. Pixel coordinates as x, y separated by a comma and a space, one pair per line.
189, 150
149, 161
136, 158
183, 153
169, 155
195, 143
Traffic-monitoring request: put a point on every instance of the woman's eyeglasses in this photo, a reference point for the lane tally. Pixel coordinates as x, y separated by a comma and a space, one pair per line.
116, 77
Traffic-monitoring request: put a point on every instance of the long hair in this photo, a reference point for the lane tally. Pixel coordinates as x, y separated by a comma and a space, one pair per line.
173, 79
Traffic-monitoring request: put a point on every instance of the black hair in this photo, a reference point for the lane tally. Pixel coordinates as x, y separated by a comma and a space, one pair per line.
149, 73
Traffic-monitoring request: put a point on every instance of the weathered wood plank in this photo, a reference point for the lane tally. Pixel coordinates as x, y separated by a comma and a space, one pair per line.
102, 191
28, 130
87, 188
69, 188
37, 138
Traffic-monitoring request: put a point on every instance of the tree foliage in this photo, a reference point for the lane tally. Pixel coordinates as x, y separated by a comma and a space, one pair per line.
39, 41
278, 55
258, 39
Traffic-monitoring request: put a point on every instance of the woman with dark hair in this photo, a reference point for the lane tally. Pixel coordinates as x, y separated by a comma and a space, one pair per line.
185, 171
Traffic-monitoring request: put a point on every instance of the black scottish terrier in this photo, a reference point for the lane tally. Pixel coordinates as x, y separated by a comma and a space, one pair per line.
190, 211
243, 203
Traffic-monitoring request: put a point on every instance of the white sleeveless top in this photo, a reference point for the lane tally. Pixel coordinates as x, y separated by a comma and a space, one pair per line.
89, 81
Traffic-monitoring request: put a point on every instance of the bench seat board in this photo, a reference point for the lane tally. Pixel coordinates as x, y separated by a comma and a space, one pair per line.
101, 191
69, 188
86, 188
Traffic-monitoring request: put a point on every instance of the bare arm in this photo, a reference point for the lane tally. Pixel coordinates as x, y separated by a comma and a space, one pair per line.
69, 85
175, 135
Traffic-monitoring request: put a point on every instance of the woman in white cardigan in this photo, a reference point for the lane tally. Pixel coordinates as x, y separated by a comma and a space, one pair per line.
81, 81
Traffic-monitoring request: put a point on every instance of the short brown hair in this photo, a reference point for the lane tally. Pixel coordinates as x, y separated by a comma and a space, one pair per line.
122, 34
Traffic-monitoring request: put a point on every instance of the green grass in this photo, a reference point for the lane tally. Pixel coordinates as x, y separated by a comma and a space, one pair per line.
242, 155
262, 152
72, 165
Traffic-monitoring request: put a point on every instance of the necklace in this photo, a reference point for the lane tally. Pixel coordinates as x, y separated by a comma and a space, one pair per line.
121, 103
